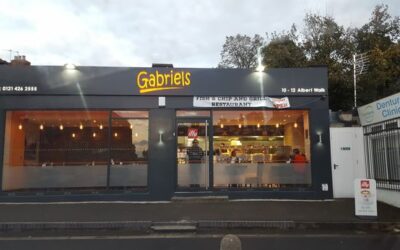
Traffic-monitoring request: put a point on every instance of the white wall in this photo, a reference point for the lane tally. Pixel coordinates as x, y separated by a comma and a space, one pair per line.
360, 168
389, 197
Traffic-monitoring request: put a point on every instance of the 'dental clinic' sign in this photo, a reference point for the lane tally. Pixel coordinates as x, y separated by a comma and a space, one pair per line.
381, 110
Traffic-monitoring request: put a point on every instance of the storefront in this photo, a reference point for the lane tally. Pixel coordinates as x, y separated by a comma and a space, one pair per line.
107, 133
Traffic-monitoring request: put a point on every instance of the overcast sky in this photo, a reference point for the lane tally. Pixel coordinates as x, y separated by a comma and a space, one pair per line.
187, 33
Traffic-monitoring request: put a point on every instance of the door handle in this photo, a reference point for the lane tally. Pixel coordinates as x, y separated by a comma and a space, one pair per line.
335, 166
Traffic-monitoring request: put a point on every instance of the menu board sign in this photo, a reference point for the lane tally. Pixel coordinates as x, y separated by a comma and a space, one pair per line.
365, 197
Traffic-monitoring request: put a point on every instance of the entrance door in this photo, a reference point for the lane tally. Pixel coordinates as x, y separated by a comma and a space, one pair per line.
347, 151
193, 157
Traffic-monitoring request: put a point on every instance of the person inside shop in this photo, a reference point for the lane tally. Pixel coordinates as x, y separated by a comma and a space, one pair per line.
234, 156
297, 157
299, 161
195, 152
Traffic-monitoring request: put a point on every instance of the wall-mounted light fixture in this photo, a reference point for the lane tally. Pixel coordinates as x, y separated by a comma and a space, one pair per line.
20, 126
61, 127
81, 126
70, 66
295, 125
41, 127
260, 68
319, 134
101, 126
160, 137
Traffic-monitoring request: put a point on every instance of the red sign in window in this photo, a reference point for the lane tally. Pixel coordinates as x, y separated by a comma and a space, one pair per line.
365, 184
193, 132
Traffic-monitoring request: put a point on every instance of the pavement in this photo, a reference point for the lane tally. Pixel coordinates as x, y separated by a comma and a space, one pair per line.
194, 215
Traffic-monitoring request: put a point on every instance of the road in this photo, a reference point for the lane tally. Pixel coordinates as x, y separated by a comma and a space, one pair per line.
208, 242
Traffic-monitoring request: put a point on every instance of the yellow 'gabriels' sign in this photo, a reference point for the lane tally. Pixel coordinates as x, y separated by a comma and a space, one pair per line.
156, 81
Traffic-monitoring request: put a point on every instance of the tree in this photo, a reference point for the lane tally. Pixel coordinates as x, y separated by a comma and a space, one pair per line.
327, 43
240, 51
380, 39
380, 32
383, 76
324, 42
283, 50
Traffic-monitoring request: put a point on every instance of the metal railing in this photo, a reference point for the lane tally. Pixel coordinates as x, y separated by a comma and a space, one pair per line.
382, 148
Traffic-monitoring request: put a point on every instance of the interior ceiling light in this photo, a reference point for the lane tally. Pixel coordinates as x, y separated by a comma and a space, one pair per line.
73, 135
258, 125
115, 134
236, 143
20, 126
295, 125
41, 127
222, 125
240, 125
131, 126
94, 135
277, 125
101, 126
80, 126
61, 127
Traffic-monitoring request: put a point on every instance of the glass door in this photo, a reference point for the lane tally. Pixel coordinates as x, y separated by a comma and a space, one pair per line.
193, 154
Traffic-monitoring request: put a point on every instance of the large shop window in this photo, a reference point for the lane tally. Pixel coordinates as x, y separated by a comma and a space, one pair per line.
129, 149
261, 149
59, 150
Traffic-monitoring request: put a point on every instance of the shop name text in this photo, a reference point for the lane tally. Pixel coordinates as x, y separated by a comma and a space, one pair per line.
157, 81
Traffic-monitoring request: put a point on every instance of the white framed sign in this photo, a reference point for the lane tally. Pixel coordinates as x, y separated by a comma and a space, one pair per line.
365, 197
240, 102
381, 110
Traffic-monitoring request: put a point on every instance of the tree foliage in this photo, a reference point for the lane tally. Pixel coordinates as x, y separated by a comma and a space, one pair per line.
324, 42
283, 50
380, 39
240, 51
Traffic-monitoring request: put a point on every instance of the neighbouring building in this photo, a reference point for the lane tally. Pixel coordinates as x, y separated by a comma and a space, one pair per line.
381, 126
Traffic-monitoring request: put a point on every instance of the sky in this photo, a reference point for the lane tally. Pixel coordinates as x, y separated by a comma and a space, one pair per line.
137, 33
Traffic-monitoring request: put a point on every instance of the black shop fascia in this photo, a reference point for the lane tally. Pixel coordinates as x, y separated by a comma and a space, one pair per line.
121, 133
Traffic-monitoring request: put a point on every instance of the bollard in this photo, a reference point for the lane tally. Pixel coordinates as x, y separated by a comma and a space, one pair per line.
230, 242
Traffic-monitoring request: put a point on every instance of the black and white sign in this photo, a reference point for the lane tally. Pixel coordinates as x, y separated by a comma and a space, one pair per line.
240, 102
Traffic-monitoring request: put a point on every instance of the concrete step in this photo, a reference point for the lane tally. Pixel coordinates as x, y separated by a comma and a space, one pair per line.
174, 226
199, 198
